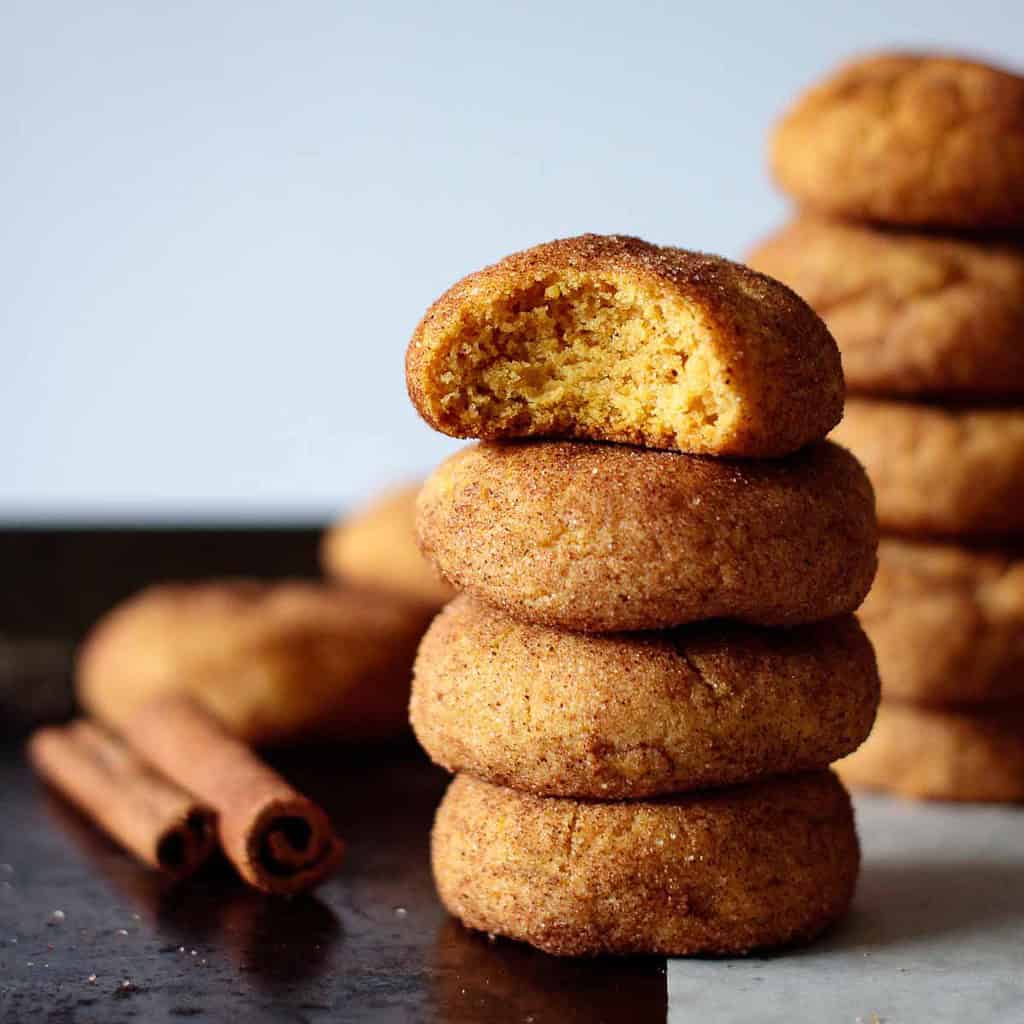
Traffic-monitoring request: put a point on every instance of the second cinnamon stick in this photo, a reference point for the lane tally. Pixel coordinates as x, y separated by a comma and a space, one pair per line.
161, 824
278, 840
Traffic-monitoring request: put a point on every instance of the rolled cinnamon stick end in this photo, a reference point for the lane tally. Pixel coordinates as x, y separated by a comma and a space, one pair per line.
278, 840
161, 824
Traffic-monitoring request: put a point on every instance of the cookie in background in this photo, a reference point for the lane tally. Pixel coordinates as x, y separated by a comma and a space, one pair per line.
912, 313
375, 546
973, 754
908, 173
947, 622
275, 663
908, 139
940, 470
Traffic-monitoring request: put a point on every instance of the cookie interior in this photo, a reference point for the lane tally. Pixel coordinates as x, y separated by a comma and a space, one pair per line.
585, 354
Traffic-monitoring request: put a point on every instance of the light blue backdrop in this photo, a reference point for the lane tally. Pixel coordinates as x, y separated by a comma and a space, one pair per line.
220, 221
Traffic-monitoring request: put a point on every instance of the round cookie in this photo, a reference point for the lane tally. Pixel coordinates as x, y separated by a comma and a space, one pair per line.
376, 547
610, 338
275, 662
626, 715
602, 538
912, 313
908, 139
943, 754
724, 871
940, 470
947, 623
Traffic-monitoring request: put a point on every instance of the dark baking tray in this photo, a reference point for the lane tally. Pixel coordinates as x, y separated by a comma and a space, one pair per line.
86, 935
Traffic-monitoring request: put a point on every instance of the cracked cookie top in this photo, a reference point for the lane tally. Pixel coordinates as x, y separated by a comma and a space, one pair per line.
720, 871
626, 715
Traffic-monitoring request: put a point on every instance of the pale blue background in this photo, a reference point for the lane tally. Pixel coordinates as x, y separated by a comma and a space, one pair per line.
220, 221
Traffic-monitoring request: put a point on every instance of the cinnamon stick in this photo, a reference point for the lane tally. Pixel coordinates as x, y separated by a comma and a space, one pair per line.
158, 822
278, 840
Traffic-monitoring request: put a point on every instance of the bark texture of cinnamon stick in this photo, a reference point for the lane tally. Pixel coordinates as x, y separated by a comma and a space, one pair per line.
157, 821
278, 840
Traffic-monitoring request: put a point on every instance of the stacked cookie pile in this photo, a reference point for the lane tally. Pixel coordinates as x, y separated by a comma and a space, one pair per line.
652, 660
910, 174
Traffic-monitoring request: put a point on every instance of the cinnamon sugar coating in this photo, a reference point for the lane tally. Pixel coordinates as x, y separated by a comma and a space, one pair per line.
973, 754
947, 622
610, 338
910, 139
913, 314
725, 871
626, 715
603, 537
940, 470
275, 662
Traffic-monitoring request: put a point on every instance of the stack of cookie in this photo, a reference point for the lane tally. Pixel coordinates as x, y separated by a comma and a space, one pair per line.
910, 174
653, 659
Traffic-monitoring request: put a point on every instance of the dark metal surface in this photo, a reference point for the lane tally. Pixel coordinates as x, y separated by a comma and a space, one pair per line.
88, 935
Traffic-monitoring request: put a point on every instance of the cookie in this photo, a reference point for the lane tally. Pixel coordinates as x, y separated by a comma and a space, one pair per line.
724, 871
275, 662
376, 547
609, 338
603, 537
947, 622
913, 314
910, 139
942, 753
940, 470
626, 715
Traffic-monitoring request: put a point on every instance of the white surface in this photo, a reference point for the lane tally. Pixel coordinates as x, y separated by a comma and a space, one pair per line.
221, 221
936, 934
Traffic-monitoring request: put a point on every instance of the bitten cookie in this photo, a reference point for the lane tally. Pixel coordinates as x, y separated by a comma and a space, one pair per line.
609, 338
940, 470
943, 754
908, 139
275, 662
912, 313
638, 714
602, 537
947, 623
724, 871
376, 547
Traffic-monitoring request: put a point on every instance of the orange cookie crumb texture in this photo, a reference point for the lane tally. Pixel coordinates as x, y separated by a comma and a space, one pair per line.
610, 338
